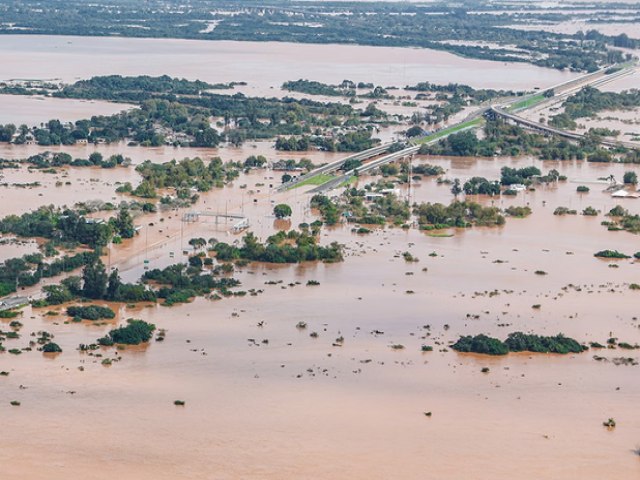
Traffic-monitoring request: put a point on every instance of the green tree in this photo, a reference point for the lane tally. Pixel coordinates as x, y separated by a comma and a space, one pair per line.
630, 178
197, 243
113, 285
282, 210
456, 189
96, 158
94, 278
123, 224
57, 294
463, 143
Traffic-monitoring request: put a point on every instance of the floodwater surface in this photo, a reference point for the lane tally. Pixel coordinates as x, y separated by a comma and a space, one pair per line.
261, 64
264, 399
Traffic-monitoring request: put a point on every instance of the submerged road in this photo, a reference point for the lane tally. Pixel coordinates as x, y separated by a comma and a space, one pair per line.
546, 129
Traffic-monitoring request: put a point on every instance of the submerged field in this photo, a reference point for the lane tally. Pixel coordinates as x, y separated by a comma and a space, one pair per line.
352, 393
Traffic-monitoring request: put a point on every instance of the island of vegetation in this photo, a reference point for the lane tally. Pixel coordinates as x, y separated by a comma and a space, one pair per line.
517, 342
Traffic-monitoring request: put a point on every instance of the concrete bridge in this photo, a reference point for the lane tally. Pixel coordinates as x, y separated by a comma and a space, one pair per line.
336, 165
561, 91
496, 112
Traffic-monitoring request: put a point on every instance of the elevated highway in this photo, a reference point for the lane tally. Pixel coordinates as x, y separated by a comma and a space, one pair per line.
548, 130
504, 110
336, 165
392, 157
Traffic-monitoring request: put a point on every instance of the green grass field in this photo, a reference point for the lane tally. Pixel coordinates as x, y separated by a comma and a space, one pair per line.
319, 179
526, 103
349, 181
447, 131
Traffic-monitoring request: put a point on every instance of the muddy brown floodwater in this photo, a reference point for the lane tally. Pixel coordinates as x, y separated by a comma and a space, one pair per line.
301, 407
264, 65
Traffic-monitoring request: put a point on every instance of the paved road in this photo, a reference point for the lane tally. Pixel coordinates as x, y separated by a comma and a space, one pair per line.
8, 303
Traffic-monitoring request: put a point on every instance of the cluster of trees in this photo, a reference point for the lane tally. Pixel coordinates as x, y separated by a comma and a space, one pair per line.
91, 312
511, 176
589, 101
611, 254
293, 144
465, 91
346, 88
30, 269
254, 161
457, 214
481, 186
179, 112
283, 247
179, 283
134, 333
351, 141
385, 209
519, 212
7, 132
622, 219
184, 175
388, 208
500, 138
426, 169
329, 210
518, 342
67, 226
291, 165
95, 284
59, 159
117, 88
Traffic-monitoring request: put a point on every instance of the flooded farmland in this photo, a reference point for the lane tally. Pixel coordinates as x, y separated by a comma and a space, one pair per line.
265, 399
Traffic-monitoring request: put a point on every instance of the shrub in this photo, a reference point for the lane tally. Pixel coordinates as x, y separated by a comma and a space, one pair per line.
519, 212
617, 211
51, 348
582, 189
564, 211
610, 254
630, 178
